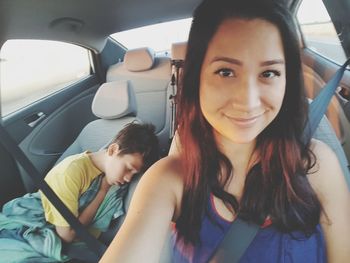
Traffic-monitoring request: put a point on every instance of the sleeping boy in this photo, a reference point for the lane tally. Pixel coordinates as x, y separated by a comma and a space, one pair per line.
131, 152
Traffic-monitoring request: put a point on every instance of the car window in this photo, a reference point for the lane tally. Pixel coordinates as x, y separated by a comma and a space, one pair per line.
159, 37
318, 30
33, 69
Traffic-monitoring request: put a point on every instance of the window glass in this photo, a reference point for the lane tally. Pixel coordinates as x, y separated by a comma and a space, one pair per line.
159, 37
33, 69
318, 30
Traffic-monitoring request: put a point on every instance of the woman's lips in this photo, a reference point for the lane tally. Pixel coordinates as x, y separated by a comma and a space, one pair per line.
244, 122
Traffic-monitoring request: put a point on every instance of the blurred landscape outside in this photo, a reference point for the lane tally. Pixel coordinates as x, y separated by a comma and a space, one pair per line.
318, 30
33, 69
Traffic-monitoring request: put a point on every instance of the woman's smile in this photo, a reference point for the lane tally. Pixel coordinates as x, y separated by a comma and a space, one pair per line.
244, 122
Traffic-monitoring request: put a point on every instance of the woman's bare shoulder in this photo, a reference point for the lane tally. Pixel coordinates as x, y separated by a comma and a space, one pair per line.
166, 177
331, 188
326, 175
167, 169
324, 156
154, 205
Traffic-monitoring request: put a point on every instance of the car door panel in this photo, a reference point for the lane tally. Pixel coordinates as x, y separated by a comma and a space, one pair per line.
11, 185
65, 113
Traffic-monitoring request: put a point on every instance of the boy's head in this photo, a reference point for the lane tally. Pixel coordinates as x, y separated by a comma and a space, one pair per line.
133, 150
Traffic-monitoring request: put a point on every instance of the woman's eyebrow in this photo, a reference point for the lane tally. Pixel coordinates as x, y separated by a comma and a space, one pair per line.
227, 59
272, 62
240, 63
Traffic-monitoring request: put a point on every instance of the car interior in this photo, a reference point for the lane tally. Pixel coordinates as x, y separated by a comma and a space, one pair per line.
129, 84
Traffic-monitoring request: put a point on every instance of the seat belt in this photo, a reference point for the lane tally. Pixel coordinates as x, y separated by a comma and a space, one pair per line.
319, 105
95, 245
241, 234
235, 242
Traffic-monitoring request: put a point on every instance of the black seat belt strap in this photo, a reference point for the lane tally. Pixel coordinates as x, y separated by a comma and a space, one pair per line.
236, 241
241, 234
22, 159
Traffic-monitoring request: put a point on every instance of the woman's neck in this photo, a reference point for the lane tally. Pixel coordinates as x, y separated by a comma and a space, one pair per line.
241, 155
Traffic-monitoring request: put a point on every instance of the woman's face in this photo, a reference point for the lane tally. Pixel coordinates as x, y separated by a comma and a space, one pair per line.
242, 79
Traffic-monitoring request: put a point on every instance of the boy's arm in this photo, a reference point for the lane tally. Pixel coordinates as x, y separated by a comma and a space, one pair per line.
67, 233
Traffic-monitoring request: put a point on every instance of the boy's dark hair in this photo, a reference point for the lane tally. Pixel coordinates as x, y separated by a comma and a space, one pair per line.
139, 138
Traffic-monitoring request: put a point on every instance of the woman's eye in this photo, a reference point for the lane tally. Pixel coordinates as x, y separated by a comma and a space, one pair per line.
225, 72
270, 74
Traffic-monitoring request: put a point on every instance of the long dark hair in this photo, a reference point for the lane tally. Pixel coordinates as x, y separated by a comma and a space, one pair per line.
277, 185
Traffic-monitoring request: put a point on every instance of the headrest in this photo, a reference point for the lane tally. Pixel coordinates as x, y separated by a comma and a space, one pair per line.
139, 59
178, 51
114, 100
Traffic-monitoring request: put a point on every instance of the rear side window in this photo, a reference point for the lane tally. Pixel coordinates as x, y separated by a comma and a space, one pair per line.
318, 30
159, 37
33, 69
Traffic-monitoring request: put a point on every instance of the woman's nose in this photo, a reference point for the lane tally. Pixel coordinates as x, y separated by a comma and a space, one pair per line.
247, 95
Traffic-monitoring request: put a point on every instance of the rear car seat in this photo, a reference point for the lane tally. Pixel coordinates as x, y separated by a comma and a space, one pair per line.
178, 51
152, 90
114, 104
149, 76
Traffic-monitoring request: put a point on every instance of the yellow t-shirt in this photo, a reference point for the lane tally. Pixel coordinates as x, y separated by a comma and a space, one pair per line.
69, 180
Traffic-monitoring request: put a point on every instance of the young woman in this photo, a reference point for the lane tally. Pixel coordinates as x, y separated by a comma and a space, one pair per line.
241, 119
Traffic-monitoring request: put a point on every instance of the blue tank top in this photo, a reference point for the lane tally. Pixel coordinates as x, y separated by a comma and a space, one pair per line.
269, 244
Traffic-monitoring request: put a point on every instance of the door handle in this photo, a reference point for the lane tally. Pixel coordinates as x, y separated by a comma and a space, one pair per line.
35, 119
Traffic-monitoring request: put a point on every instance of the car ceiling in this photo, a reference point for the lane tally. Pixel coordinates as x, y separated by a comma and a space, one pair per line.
84, 22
